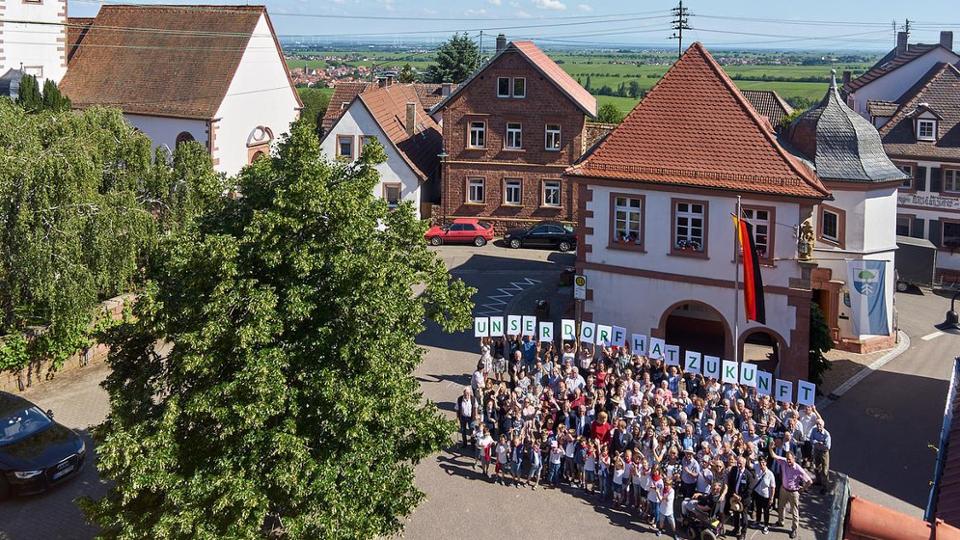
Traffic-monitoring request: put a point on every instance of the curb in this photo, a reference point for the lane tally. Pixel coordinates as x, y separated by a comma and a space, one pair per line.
902, 345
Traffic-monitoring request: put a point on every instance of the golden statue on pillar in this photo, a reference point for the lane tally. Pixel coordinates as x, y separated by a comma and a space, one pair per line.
806, 240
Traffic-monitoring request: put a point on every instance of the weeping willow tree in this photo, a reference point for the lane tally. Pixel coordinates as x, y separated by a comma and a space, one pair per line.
82, 203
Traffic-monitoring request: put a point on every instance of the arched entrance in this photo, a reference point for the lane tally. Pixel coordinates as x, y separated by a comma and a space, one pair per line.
693, 325
763, 347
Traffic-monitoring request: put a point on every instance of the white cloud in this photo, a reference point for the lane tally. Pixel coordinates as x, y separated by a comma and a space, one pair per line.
521, 14
556, 5
495, 2
472, 12
428, 11
585, 7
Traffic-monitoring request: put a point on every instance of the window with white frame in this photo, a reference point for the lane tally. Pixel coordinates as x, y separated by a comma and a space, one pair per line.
830, 228
478, 134
475, 190
514, 136
512, 191
345, 146
503, 86
551, 193
552, 137
627, 220
519, 87
908, 170
951, 180
759, 220
926, 129
688, 226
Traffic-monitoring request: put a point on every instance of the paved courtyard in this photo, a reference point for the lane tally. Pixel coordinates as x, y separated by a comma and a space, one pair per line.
460, 503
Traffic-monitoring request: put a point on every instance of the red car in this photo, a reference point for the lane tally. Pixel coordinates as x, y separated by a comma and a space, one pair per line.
461, 231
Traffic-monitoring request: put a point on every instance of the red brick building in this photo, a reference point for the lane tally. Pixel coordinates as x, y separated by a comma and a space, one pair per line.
509, 132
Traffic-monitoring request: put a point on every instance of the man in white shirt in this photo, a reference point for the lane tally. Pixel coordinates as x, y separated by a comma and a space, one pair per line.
764, 483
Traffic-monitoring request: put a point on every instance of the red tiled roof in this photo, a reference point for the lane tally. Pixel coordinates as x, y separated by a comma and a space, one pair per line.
769, 104
695, 128
939, 91
554, 73
388, 106
170, 66
888, 63
76, 28
429, 95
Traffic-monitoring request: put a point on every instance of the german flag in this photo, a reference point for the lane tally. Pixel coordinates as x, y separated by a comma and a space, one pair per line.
752, 281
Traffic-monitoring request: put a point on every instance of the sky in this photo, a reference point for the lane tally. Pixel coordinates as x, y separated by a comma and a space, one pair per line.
774, 24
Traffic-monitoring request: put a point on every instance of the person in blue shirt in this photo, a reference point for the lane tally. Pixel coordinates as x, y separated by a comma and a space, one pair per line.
820, 439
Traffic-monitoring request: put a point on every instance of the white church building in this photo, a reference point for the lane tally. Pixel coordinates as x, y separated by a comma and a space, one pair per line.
211, 74
656, 239
28, 48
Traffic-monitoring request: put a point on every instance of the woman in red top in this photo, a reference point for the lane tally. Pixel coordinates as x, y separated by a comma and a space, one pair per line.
601, 428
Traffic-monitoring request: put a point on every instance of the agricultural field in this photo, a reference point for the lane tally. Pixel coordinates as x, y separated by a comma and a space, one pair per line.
603, 73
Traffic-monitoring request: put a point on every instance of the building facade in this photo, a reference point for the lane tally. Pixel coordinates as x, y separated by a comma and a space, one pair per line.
394, 116
656, 240
37, 47
235, 98
857, 223
509, 132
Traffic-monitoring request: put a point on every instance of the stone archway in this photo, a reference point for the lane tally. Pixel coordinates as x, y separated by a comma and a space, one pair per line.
762, 346
696, 326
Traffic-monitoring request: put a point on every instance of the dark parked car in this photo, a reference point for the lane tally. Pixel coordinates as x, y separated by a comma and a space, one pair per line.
36, 453
552, 234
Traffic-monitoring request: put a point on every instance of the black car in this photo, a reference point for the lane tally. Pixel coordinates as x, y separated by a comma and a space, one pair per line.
36, 453
552, 234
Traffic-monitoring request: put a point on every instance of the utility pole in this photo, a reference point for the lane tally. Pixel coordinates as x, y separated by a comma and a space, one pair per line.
906, 28
480, 53
681, 19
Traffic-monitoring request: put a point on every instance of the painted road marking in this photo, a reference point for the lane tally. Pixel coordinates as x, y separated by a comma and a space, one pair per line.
934, 335
495, 303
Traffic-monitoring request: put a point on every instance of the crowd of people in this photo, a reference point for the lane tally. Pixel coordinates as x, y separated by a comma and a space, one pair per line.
675, 448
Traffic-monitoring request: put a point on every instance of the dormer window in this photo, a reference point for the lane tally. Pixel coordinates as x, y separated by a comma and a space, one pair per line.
926, 130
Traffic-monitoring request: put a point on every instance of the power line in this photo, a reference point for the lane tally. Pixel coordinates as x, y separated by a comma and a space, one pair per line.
680, 23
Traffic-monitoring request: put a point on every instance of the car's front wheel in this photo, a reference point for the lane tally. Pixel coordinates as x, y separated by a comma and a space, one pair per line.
479, 241
564, 246
435, 241
515, 243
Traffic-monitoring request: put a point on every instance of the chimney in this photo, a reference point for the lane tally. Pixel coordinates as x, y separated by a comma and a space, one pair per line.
902, 42
411, 122
381, 81
446, 89
946, 40
846, 77
388, 80
501, 42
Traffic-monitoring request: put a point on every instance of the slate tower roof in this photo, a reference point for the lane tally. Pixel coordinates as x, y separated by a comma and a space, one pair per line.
841, 144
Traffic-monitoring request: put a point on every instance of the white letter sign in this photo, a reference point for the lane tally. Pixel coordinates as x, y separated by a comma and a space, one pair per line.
568, 329
806, 392
748, 374
672, 352
656, 348
496, 326
513, 325
729, 372
603, 335
783, 391
619, 336
529, 325
711, 367
481, 327
638, 344
764, 383
546, 331
691, 361
587, 332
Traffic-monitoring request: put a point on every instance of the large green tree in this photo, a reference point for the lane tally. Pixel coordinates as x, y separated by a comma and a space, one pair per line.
28, 95
315, 101
609, 114
53, 100
79, 196
457, 58
286, 404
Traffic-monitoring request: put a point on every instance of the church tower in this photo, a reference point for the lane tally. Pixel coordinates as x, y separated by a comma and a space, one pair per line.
33, 38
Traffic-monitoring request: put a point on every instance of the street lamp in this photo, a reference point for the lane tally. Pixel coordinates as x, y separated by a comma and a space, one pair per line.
952, 320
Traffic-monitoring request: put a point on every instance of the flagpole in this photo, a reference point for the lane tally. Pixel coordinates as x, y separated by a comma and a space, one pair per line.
736, 287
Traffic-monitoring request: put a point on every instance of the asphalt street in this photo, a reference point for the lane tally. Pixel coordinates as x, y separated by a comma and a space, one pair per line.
885, 429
